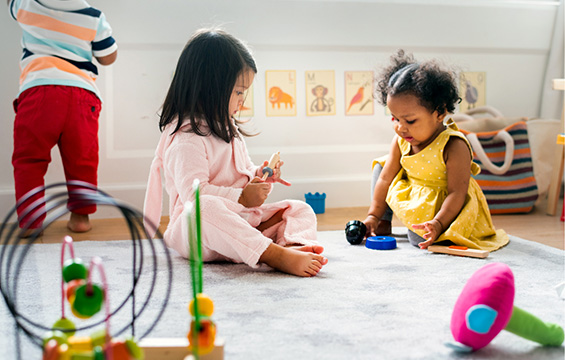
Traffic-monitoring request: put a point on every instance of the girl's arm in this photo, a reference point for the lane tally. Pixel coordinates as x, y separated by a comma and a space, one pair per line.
186, 161
378, 203
457, 157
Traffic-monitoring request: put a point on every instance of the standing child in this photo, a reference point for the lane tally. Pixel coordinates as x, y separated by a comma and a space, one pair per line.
201, 140
58, 102
426, 179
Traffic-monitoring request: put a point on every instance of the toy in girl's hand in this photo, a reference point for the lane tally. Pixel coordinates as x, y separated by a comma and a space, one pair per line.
485, 307
355, 232
269, 170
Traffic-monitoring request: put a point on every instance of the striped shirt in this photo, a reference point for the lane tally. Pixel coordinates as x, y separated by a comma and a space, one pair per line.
59, 41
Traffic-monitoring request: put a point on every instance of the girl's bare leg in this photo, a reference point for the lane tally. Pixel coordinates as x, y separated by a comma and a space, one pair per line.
293, 261
79, 223
275, 219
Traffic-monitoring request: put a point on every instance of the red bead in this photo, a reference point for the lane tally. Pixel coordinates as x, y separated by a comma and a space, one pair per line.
119, 350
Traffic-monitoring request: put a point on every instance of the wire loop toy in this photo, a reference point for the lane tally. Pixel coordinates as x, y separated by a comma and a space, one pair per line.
77, 286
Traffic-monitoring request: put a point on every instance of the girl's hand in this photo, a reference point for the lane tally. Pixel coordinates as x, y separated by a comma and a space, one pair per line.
371, 222
276, 173
434, 230
254, 193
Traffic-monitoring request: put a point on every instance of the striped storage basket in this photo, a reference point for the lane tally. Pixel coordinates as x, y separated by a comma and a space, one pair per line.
507, 175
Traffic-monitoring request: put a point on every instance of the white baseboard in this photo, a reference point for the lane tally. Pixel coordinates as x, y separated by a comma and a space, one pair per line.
348, 191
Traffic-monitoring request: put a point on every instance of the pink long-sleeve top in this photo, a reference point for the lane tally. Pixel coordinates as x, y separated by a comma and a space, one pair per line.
223, 169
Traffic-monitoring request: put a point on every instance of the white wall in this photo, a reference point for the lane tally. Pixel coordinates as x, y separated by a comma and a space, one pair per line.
509, 40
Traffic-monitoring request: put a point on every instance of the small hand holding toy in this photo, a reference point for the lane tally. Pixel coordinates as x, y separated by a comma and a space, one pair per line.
485, 307
272, 169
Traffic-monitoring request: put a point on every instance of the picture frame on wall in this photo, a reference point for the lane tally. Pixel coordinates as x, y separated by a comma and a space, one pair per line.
472, 89
280, 87
359, 93
320, 93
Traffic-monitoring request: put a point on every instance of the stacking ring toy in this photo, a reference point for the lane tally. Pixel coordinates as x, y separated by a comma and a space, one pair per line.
380, 243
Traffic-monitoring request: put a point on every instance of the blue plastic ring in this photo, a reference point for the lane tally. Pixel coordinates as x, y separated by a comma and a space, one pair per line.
267, 169
380, 243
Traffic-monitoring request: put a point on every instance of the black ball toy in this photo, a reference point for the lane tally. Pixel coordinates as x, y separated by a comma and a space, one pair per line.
355, 232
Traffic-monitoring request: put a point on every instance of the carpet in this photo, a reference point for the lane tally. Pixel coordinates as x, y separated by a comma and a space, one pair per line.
365, 304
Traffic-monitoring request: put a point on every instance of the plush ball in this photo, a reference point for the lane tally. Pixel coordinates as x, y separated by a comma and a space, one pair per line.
484, 307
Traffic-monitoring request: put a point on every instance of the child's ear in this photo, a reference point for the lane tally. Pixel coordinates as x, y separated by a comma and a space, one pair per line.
441, 117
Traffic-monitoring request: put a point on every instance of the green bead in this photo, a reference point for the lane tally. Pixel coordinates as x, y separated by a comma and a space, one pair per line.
88, 302
98, 337
135, 351
65, 325
98, 353
74, 269
83, 356
57, 335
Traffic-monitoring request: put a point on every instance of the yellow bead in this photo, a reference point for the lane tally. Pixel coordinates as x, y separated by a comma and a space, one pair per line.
80, 343
205, 305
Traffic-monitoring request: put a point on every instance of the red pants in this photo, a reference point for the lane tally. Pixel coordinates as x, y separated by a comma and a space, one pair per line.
52, 115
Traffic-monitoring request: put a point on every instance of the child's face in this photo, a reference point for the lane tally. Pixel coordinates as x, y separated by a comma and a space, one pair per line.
242, 83
413, 122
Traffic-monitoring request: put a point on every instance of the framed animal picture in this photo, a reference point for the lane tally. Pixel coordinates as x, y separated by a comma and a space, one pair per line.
320, 93
281, 92
472, 89
359, 93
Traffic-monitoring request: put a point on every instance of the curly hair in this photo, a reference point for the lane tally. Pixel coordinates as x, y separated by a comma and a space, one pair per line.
436, 88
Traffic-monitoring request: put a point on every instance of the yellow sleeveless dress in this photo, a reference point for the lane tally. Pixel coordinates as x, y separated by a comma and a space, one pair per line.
420, 188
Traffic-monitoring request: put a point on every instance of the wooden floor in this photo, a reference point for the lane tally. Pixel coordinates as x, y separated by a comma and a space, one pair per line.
535, 226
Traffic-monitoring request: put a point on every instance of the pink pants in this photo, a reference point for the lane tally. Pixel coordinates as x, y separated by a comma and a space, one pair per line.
229, 229
52, 115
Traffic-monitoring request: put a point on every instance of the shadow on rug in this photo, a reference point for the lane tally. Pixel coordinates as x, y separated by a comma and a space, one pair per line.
365, 304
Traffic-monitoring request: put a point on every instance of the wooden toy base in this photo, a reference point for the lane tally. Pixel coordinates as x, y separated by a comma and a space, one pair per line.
177, 349
458, 251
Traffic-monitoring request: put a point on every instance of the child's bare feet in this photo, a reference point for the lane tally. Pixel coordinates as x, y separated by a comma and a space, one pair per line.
316, 249
79, 223
304, 263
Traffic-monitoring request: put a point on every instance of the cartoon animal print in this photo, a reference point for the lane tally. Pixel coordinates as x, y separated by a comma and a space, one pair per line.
277, 96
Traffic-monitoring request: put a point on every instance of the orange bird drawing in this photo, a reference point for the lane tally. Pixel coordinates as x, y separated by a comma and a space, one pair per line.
357, 98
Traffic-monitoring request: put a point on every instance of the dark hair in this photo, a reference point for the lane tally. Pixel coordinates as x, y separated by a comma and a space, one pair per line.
205, 76
435, 87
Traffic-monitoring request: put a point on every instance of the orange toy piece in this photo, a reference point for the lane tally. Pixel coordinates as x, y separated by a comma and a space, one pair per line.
72, 287
206, 336
119, 350
51, 350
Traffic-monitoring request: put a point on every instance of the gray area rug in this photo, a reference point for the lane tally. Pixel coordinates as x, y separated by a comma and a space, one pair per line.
365, 304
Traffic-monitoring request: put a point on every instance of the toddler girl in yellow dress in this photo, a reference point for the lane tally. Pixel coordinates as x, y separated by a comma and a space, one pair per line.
426, 178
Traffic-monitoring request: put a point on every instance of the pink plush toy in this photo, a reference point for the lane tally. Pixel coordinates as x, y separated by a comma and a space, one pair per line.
485, 307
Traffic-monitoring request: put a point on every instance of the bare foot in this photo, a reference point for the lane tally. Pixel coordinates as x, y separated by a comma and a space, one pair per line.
275, 219
79, 223
293, 261
316, 249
